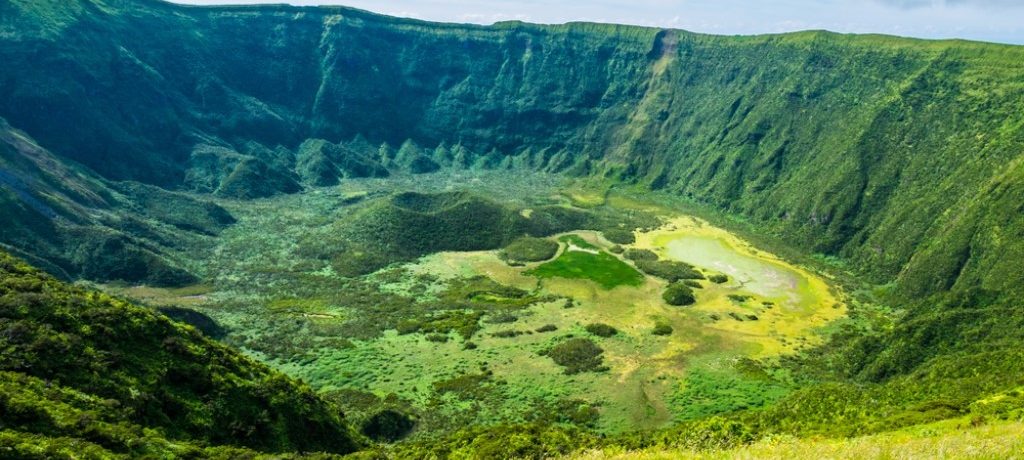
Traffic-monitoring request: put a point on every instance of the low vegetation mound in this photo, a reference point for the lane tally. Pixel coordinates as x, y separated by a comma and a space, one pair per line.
679, 294
578, 355
639, 254
669, 270
409, 225
619, 236
529, 249
601, 329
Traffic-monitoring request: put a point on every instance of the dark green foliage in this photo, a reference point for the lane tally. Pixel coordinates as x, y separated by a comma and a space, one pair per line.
577, 355
669, 270
640, 254
200, 321
547, 328
601, 329
661, 328
408, 225
619, 236
718, 279
679, 294
144, 371
388, 425
529, 249
694, 284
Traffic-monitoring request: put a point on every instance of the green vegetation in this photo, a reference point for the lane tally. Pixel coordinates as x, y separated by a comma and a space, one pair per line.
317, 202
601, 329
577, 355
637, 255
619, 236
585, 261
662, 328
528, 249
679, 294
80, 366
669, 270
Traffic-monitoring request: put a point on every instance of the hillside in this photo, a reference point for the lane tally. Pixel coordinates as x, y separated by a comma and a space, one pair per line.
82, 373
897, 155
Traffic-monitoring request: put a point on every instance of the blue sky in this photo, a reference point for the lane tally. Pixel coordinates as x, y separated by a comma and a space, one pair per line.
988, 20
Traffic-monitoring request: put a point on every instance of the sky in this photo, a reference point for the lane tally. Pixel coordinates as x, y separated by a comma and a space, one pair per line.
987, 20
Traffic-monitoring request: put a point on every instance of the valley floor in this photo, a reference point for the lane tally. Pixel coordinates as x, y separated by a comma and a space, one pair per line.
460, 337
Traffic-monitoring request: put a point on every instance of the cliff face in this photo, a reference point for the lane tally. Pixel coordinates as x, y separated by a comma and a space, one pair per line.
902, 156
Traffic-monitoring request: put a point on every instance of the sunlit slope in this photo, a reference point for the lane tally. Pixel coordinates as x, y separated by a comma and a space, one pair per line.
947, 441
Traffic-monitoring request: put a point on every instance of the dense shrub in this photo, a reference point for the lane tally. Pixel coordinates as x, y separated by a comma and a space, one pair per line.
388, 425
662, 328
718, 279
601, 329
578, 355
529, 249
640, 254
669, 270
679, 294
619, 236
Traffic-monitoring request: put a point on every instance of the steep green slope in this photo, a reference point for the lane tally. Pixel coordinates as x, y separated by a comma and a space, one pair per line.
898, 155
82, 370
74, 224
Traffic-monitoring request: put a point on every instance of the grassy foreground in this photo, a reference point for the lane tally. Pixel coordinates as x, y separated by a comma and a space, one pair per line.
943, 440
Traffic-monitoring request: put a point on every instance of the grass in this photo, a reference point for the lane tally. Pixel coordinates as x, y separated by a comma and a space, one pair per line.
583, 260
943, 440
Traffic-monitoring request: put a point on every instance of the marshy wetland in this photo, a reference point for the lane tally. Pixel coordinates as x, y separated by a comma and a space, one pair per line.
562, 326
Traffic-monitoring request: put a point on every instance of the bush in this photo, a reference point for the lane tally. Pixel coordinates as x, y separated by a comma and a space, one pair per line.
694, 284
620, 236
668, 270
640, 254
388, 425
547, 328
679, 294
601, 330
529, 249
578, 355
661, 328
718, 279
